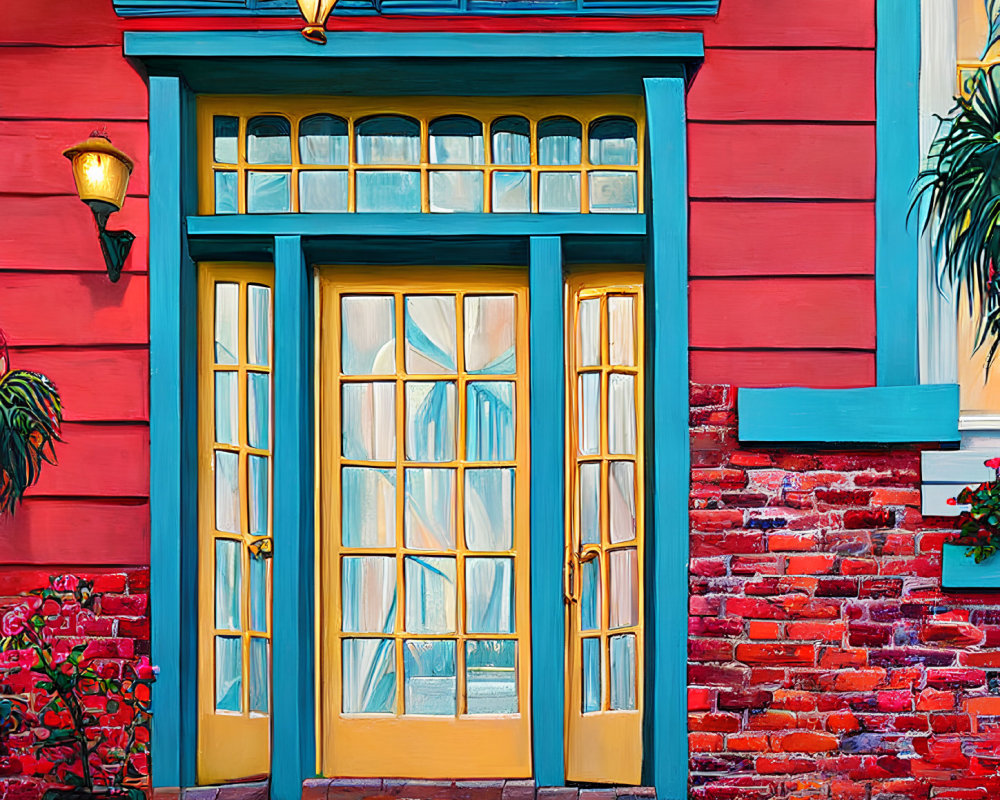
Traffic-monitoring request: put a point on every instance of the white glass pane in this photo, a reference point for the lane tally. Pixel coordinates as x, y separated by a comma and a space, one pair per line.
227, 492
258, 410
559, 192
589, 413
613, 192
257, 482
489, 334
368, 335
430, 421
489, 509
388, 191
323, 140
269, 140
228, 584
227, 309
369, 421
431, 334
456, 190
613, 141
228, 673
621, 500
260, 675
430, 677
226, 132
259, 570
323, 192
621, 414
388, 140
490, 421
369, 676
368, 507
589, 333
269, 192
590, 595
591, 669
590, 503
621, 330
622, 672
430, 594
456, 140
226, 192
489, 595
559, 141
368, 594
491, 676
512, 192
623, 587
227, 418
430, 513
258, 325
511, 143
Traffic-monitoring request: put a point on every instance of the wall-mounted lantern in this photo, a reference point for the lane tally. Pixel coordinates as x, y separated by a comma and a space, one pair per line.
315, 13
101, 172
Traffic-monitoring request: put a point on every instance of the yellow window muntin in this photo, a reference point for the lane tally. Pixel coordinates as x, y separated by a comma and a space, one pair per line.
465, 745
232, 743
585, 110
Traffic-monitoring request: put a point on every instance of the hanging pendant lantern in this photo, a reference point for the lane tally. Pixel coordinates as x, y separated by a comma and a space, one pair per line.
315, 13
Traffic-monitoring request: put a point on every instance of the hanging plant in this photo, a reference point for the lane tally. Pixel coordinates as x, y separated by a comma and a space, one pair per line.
958, 193
30, 424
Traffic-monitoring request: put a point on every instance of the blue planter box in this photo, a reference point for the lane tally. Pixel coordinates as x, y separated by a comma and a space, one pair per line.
959, 571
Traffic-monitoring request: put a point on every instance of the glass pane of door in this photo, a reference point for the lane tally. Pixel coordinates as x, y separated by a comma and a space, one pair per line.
604, 545
424, 523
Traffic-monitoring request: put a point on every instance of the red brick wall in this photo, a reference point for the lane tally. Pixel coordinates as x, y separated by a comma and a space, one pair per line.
824, 659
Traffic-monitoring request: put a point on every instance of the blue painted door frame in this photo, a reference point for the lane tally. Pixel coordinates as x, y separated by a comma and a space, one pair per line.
173, 470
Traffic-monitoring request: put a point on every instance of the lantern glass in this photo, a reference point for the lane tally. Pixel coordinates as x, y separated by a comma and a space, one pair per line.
101, 172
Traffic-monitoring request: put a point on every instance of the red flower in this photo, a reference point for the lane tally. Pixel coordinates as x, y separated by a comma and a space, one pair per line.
65, 583
993, 463
144, 670
15, 621
952, 501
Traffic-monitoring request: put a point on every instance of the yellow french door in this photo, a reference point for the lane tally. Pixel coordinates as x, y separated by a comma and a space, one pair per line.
423, 604
604, 543
235, 362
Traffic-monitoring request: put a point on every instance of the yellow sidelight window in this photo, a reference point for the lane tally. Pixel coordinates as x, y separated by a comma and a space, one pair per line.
423, 462
418, 154
235, 362
604, 547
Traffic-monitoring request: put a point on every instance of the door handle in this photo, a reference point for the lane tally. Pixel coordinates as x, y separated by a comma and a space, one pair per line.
574, 558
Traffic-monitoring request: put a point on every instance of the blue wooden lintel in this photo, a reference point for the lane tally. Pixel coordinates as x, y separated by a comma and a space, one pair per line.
877, 414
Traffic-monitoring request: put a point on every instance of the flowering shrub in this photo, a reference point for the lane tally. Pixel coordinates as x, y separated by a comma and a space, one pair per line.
72, 746
980, 524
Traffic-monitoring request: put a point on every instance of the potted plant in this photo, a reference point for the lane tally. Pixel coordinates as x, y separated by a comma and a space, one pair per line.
978, 538
74, 698
30, 422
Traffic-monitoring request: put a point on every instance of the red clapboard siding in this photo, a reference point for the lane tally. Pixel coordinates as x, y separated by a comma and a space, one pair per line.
61, 22
95, 84
98, 460
32, 155
820, 369
27, 241
785, 84
790, 161
792, 23
732, 238
73, 309
96, 385
76, 533
836, 313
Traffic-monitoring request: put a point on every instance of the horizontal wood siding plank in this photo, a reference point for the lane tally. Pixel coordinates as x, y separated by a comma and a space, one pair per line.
733, 238
96, 460
78, 23
782, 161
96, 385
808, 85
828, 313
27, 241
957, 466
934, 499
73, 309
33, 163
76, 533
792, 23
819, 369
92, 84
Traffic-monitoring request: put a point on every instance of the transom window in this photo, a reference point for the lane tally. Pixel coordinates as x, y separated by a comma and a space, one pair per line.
332, 155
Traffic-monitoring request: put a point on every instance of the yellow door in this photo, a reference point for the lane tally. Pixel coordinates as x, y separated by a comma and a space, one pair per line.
423, 461
235, 357
604, 547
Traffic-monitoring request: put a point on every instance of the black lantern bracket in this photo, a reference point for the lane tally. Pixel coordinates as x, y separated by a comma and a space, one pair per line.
115, 245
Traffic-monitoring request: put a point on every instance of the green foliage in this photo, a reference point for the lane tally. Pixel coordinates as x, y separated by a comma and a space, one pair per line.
980, 524
958, 192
